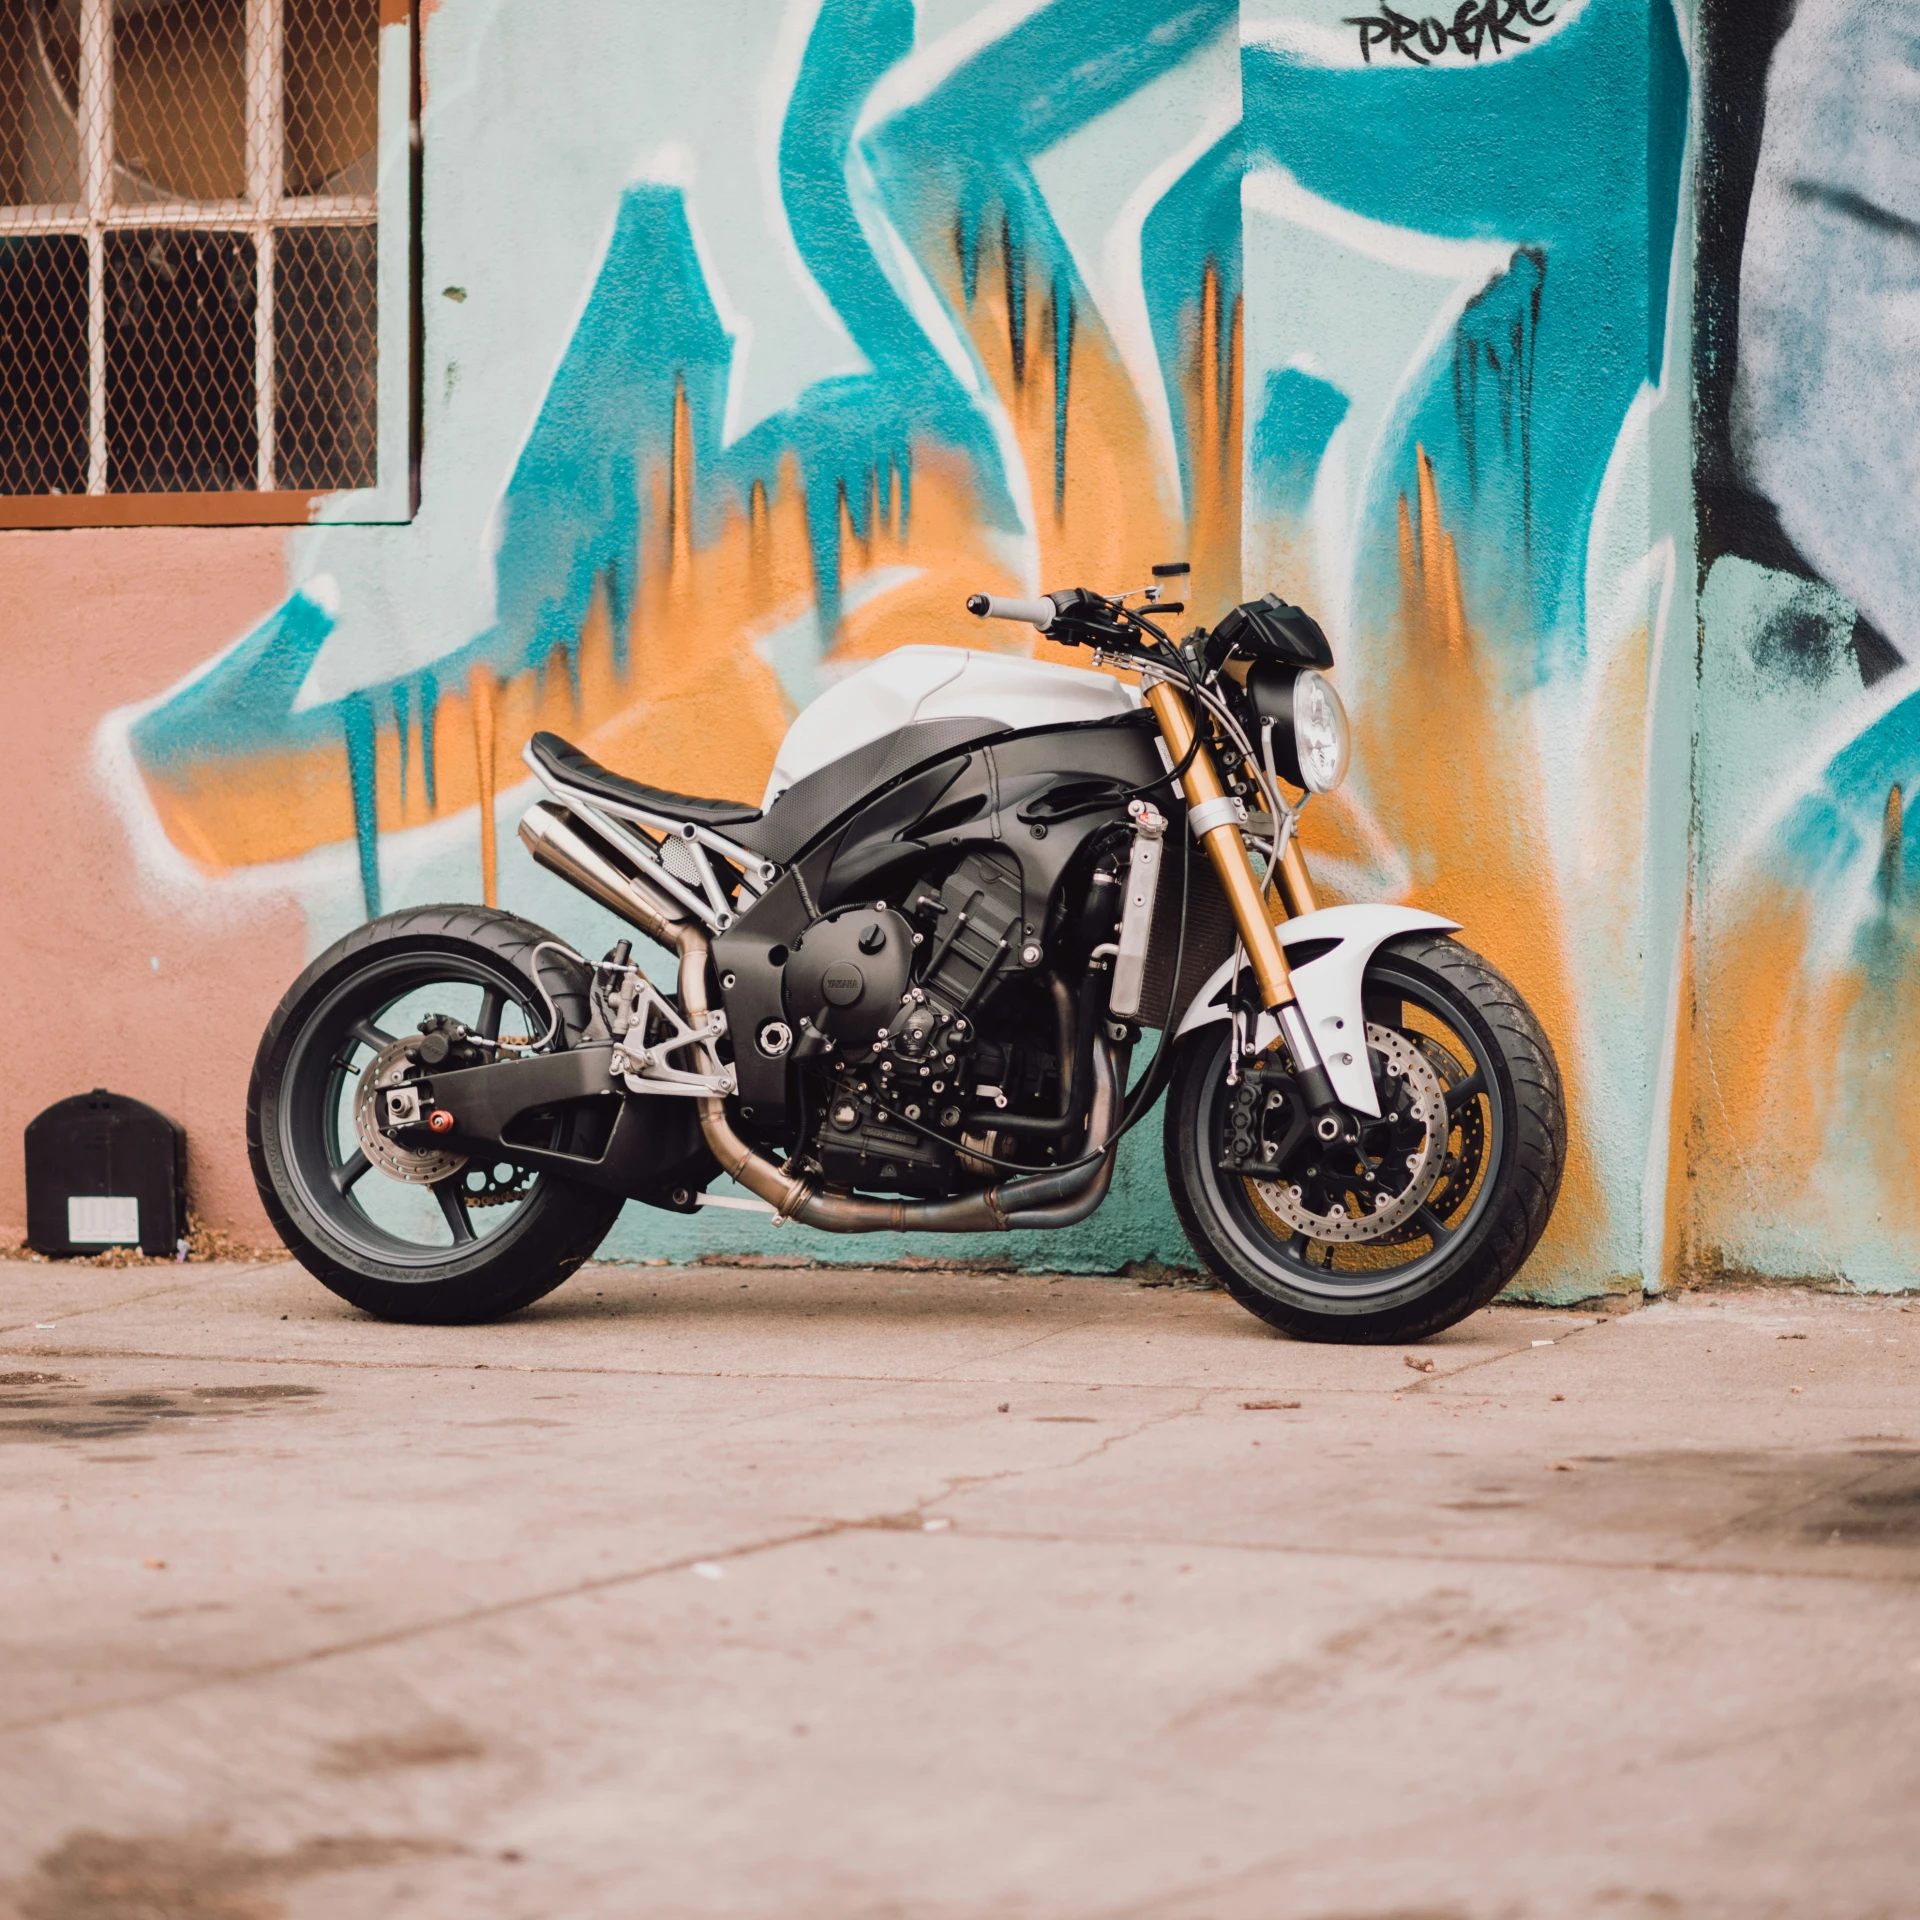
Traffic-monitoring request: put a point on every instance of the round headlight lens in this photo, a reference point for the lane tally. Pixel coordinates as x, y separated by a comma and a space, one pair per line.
1320, 733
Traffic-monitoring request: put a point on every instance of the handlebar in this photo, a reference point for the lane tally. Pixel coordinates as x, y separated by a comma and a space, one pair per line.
992, 606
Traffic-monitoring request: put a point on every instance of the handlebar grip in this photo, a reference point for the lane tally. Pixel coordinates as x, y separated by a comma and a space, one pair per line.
993, 606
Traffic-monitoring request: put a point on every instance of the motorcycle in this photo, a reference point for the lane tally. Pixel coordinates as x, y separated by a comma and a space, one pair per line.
906, 992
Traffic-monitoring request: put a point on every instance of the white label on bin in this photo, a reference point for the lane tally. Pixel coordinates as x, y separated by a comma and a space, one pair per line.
103, 1219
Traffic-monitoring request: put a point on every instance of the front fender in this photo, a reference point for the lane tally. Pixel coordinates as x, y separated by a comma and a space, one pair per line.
1327, 986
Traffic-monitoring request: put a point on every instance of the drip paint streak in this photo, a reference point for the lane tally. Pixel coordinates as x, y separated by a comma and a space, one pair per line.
1433, 609
1497, 332
1013, 260
402, 726
1062, 324
680, 496
480, 690
1212, 411
429, 712
1892, 850
356, 714
1212, 360
966, 251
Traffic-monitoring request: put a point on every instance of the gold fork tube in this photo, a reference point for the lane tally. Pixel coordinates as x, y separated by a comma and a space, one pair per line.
1295, 888
1227, 851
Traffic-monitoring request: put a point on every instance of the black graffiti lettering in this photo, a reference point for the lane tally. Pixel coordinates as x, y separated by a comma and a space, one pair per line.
1371, 31
1395, 31
1470, 27
1478, 26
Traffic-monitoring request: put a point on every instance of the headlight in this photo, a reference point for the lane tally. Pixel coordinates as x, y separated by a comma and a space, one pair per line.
1320, 733
1298, 711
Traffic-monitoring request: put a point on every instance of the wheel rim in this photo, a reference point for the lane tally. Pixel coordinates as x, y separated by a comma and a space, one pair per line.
482, 1205
1408, 1258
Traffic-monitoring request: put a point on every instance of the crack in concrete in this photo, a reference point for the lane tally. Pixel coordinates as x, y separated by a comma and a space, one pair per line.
1428, 1382
395, 1636
964, 1482
1425, 1839
1443, 1556
103, 1306
1006, 1353
945, 1377
1713, 1536
825, 1529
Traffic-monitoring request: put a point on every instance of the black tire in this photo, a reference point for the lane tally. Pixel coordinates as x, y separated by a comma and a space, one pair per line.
307, 1055
1418, 1281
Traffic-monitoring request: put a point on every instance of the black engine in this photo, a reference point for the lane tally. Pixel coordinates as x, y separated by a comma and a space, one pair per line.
915, 997
849, 973
897, 991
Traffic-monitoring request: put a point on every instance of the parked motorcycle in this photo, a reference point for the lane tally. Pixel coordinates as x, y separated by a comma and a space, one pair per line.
906, 995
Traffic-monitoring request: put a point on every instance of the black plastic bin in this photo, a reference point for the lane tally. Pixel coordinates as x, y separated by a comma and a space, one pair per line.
105, 1171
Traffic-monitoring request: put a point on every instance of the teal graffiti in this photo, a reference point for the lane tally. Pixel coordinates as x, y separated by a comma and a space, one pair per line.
650, 348
1572, 150
1195, 226
1297, 417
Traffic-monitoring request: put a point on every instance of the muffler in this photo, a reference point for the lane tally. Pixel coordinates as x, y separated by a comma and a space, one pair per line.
1050, 1197
566, 845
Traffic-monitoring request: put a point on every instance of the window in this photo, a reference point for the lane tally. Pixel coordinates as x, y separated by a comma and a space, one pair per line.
205, 246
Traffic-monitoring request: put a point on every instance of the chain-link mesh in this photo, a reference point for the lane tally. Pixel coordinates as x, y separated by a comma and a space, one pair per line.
180, 346
331, 61
187, 245
180, 100
323, 324
43, 364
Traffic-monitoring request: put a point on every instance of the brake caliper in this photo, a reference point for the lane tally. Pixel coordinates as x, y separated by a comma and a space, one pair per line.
1266, 1120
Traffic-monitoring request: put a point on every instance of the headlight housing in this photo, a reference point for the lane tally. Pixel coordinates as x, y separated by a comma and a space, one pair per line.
1321, 736
1311, 738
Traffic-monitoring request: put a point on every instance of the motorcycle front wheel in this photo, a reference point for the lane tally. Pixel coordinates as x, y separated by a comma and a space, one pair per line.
1299, 1250
401, 1233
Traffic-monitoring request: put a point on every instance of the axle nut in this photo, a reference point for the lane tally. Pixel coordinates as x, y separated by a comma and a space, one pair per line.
440, 1120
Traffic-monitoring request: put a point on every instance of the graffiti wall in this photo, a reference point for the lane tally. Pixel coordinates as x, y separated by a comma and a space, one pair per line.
1462, 391
1806, 462
756, 335
754, 342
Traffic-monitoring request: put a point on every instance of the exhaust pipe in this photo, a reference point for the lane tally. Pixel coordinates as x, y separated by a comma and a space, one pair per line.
565, 845
1050, 1198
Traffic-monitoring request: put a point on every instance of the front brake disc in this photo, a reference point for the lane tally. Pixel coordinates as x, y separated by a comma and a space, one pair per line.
1461, 1168
1426, 1104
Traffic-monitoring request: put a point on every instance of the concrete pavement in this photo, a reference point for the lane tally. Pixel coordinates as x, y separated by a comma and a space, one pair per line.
856, 1594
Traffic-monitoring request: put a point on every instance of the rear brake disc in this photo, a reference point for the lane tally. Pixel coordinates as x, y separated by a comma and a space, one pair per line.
415, 1166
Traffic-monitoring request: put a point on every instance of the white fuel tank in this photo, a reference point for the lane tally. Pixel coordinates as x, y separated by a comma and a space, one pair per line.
913, 684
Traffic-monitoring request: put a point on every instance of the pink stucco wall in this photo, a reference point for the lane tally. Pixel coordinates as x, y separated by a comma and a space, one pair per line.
90, 621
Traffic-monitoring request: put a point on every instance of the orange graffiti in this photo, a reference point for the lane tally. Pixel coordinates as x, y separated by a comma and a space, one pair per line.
687, 689
1457, 789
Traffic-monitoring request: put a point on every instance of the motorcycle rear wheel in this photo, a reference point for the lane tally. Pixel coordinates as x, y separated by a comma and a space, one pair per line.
1507, 1146
484, 1240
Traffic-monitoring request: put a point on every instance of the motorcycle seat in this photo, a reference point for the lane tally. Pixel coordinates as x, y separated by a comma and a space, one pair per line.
566, 762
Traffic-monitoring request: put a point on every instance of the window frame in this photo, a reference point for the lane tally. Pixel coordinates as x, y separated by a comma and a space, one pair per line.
394, 495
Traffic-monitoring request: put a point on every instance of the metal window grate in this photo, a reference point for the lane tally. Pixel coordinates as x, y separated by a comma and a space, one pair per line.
188, 245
